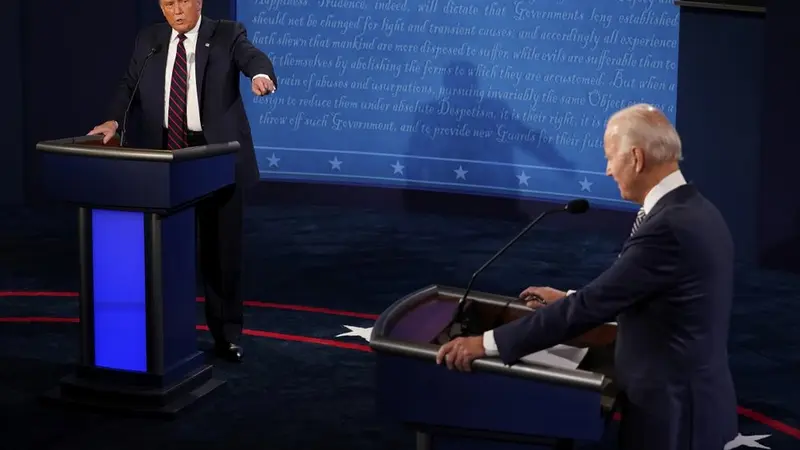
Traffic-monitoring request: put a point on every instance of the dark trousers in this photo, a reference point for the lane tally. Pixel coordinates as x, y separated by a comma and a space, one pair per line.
219, 221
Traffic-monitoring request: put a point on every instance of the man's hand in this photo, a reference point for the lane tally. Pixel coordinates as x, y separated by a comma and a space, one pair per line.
262, 86
107, 129
460, 352
548, 294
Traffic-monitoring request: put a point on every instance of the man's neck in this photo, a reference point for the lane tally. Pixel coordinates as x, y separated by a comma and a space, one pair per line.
657, 176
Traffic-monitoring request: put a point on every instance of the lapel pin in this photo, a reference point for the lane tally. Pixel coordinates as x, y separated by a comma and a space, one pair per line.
208, 45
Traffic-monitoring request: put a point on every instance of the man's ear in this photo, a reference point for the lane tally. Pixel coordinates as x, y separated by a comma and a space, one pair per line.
638, 159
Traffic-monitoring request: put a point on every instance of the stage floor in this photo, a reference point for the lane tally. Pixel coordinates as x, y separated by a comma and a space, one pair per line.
316, 278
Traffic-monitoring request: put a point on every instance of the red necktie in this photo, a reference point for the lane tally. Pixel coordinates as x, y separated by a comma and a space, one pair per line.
176, 125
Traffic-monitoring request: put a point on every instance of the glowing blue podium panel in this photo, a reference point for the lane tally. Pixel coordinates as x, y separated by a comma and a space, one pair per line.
119, 288
505, 98
137, 232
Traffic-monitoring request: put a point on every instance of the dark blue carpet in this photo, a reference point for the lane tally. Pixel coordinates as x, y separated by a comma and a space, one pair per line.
300, 395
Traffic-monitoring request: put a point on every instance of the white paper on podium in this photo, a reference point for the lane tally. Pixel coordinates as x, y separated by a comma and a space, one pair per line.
561, 356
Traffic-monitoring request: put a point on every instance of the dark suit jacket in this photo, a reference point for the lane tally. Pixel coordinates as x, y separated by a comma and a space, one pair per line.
218, 66
670, 291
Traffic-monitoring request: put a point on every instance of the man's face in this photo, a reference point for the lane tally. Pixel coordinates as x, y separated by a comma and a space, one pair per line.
622, 166
182, 15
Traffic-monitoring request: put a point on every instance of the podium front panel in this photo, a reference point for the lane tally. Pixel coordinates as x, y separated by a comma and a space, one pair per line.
138, 290
137, 235
523, 402
119, 290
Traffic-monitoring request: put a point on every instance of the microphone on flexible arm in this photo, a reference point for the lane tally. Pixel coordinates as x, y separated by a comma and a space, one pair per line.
124, 126
577, 206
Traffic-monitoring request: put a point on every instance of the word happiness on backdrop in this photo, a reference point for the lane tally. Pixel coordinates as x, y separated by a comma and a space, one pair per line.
422, 93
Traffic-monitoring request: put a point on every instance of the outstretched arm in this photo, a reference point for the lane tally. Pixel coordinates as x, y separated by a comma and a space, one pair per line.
249, 59
647, 266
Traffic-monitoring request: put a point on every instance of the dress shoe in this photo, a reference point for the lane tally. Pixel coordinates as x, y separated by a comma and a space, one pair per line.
229, 352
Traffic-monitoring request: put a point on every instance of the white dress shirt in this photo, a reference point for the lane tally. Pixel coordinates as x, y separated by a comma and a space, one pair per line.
192, 104
665, 186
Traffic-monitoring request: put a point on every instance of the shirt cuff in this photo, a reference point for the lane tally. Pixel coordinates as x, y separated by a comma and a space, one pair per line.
261, 75
570, 292
489, 345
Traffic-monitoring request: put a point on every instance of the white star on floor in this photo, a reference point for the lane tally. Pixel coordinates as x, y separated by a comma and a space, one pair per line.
273, 160
747, 441
461, 173
523, 179
586, 185
335, 163
398, 168
363, 333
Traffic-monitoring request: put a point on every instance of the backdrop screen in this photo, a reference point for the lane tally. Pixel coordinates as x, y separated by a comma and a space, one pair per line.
504, 98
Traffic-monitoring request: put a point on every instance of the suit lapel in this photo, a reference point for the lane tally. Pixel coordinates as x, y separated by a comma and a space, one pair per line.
676, 195
207, 27
159, 65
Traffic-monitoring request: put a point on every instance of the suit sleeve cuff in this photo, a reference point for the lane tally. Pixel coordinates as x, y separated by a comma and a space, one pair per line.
489, 344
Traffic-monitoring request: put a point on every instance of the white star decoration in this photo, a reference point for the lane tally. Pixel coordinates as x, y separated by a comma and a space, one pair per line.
398, 168
363, 333
273, 160
586, 185
335, 163
461, 173
747, 441
523, 179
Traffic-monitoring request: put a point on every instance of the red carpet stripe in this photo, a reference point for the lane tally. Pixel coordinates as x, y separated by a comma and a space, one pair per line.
311, 309
296, 338
256, 333
252, 303
39, 320
37, 294
745, 412
768, 421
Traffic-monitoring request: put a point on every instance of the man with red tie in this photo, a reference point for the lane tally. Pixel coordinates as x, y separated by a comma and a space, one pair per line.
187, 71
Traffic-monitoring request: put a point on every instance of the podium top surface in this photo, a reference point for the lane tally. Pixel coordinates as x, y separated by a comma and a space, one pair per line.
92, 146
408, 327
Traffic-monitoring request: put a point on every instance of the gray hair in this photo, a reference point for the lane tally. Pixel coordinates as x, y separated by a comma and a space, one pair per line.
646, 127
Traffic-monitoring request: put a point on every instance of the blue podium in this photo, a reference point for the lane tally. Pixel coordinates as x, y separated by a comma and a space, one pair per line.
522, 406
138, 292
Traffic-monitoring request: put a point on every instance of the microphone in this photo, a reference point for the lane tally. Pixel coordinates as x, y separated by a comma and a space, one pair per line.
577, 206
124, 127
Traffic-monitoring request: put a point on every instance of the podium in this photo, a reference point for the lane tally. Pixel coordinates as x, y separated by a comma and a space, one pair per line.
138, 337
527, 405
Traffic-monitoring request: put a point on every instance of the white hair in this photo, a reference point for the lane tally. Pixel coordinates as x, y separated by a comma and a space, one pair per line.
646, 127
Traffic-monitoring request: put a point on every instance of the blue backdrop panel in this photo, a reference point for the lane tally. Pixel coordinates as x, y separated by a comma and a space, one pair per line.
488, 97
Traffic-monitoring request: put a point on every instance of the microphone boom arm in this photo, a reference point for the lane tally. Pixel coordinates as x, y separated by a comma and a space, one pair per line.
577, 206
503, 250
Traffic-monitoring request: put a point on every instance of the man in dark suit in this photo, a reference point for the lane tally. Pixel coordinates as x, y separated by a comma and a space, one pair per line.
188, 72
670, 290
